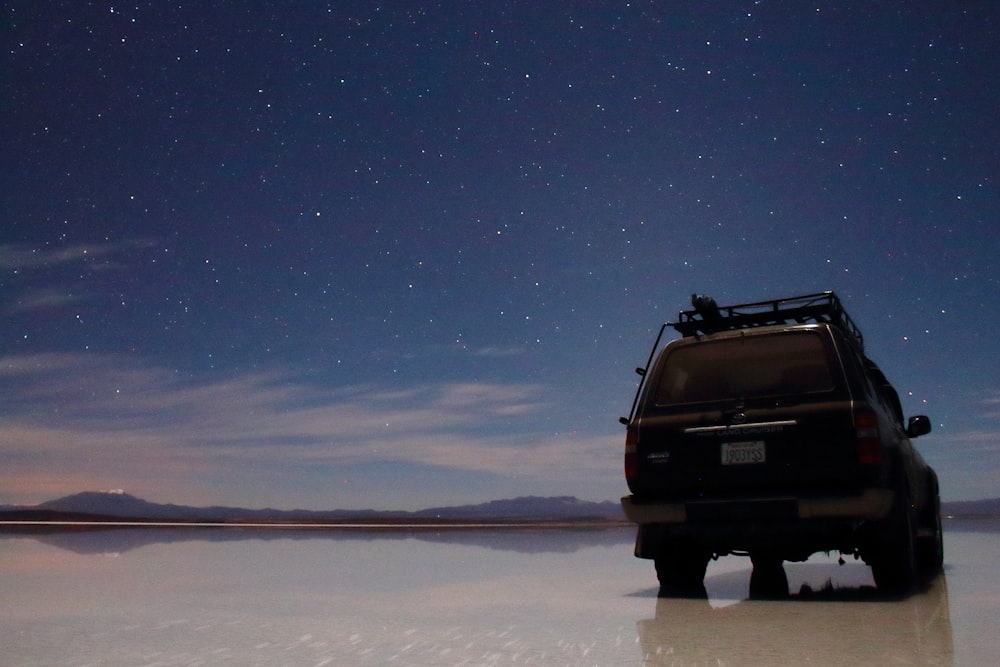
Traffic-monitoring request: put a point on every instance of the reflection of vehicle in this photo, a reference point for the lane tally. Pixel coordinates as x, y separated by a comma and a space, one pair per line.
766, 431
835, 628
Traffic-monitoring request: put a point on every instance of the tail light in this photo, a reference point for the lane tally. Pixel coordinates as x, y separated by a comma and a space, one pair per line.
867, 437
631, 455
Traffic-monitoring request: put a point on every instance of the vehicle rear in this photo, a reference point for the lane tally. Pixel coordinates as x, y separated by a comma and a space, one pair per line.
750, 426
746, 412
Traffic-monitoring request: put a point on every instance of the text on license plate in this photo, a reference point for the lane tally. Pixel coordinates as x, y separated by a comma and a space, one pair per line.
739, 453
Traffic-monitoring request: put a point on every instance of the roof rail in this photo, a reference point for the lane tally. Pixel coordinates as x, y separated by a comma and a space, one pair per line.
820, 308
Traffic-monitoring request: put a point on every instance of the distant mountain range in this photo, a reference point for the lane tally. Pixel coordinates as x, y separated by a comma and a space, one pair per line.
971, 508
120, 505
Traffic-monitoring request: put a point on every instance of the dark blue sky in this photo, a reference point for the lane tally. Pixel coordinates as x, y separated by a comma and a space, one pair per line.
354, 254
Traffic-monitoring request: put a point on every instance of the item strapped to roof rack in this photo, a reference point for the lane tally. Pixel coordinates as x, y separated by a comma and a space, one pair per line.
821, 308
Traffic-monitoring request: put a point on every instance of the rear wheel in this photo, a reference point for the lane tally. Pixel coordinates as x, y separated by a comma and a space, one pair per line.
681, 571
768, 579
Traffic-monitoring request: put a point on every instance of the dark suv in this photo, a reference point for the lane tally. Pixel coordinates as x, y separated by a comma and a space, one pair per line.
765, 431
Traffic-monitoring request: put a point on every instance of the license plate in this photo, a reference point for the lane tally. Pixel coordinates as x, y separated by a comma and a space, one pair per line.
741, 453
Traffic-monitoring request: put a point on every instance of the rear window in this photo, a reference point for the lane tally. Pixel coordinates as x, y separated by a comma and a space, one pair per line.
745, 367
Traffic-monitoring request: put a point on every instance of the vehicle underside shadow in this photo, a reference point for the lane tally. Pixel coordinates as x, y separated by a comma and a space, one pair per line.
810, 581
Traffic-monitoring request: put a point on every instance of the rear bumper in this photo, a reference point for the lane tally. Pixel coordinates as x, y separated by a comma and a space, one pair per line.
870, 504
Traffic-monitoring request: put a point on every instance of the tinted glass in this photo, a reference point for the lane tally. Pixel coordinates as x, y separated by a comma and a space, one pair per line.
746, 367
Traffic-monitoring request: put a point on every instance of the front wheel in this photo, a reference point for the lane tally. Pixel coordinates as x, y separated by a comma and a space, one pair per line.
930, 543
894, 562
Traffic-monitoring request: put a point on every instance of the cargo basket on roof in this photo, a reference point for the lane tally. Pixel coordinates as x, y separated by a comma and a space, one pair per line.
821, 308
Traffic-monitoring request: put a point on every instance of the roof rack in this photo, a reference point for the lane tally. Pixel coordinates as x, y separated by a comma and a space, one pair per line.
820, 308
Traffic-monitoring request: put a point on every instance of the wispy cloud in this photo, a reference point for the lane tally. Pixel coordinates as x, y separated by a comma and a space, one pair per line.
19, 256
985, 440
48, 293
43, 299
493, 351
117, 423
991, 406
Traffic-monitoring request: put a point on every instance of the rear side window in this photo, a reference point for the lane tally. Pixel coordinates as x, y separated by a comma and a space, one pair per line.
744, 367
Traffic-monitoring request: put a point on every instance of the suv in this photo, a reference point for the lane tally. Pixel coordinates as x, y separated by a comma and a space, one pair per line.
766, 431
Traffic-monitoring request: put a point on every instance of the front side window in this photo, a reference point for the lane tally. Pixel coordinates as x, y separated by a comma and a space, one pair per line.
751, 366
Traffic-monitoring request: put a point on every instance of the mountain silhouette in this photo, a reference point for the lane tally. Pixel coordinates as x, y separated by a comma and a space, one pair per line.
118, 504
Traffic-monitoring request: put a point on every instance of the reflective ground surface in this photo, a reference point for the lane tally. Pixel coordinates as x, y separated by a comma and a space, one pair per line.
486, 597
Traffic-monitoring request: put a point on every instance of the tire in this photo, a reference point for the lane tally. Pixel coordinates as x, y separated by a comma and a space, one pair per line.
930, 549
894, 561
681, 571
768, 580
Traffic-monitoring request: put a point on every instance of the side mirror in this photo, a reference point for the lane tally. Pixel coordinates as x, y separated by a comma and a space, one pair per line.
919, 425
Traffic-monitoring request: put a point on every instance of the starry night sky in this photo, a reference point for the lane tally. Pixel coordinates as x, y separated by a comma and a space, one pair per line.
397, 255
